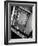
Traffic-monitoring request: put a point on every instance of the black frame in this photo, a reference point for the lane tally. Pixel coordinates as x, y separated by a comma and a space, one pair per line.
6, 30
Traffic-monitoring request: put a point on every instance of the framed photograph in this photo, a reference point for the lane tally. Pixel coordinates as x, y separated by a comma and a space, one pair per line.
20, 22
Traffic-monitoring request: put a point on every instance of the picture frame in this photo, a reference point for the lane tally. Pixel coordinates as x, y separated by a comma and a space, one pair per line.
7, 22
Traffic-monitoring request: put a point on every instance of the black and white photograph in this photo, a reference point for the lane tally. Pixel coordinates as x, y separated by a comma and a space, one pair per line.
20, 20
